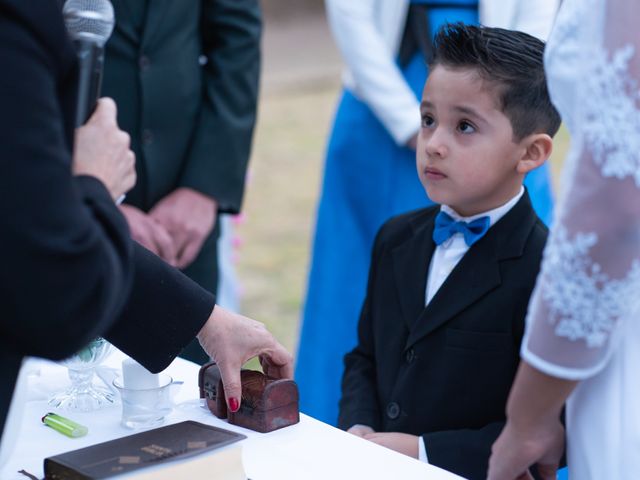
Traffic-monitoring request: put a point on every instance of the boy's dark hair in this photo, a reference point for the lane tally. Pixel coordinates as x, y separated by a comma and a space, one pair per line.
511, 60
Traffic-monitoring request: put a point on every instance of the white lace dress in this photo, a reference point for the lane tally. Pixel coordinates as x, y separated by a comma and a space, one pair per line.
584, 318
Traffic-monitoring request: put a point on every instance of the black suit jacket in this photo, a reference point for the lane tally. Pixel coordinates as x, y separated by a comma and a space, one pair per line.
70, 271
191, 125
444, 371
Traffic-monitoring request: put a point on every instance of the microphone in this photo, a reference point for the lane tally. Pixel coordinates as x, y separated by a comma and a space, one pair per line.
89, 24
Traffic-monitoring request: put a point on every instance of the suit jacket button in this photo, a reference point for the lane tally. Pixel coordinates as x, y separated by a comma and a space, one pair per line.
410, 356
144, 63
147, 137
393, 410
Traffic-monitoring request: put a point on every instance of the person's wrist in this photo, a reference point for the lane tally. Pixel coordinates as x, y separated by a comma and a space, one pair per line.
217, 327
533, 402
202, 196
208, 325
529, 428
523, 420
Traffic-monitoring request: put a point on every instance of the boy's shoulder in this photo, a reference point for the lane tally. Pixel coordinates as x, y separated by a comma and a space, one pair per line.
401, 227
538, 237
528, 218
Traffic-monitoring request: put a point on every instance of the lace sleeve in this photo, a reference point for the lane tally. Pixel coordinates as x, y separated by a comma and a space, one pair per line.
589, 284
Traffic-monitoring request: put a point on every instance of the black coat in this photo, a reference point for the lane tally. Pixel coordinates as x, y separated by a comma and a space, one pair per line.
70, 271
191, 125
443, 371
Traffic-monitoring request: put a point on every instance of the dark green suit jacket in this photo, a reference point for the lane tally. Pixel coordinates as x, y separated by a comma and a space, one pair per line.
184, 74
191, 124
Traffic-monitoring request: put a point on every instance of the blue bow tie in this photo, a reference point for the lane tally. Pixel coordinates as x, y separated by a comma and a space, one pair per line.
446, 227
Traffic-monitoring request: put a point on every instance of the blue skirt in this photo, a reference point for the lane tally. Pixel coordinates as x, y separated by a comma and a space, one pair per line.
367, 180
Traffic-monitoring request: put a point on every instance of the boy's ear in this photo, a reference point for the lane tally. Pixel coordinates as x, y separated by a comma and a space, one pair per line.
537, 149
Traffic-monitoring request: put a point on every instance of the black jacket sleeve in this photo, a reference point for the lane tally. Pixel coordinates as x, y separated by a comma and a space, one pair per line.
70, 270
217, 161
359, 402
67, 266
166, 309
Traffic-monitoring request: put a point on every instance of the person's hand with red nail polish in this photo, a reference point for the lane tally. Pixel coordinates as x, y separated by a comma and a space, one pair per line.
231, 340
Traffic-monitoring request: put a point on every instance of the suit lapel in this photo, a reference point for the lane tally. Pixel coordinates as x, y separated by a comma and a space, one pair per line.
472, 278
478, 273
156, 12
410, 266
124, 25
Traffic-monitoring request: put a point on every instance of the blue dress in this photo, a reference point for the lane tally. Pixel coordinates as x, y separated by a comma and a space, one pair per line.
368, 179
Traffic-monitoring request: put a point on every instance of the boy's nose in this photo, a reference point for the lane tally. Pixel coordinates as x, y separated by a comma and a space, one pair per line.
435, 145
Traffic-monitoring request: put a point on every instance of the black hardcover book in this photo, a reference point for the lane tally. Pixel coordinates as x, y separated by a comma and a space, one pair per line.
182, 446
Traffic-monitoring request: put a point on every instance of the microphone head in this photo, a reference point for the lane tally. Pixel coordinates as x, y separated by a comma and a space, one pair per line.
89, 20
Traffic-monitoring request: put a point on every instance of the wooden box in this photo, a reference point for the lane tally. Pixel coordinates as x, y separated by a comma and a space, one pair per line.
267, 404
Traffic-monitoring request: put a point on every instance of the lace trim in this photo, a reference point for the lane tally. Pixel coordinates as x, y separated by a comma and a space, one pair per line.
584, 303
612, 116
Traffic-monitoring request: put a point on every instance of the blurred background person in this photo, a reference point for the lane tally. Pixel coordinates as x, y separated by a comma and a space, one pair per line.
185, 78
370, 172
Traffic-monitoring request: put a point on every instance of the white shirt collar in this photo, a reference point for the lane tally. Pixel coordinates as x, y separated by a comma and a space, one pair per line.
494, 215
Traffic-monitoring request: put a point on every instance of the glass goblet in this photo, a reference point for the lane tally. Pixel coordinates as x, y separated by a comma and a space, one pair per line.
83, 395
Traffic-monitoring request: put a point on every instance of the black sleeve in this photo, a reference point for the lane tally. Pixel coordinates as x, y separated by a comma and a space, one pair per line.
464, 452
165, 311
67, 265
217, 161
70, 266
359, 401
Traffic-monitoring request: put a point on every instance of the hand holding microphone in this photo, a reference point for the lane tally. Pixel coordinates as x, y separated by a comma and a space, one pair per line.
101, 149
89, 24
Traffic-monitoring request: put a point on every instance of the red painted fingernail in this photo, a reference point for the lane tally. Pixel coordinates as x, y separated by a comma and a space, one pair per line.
233, 404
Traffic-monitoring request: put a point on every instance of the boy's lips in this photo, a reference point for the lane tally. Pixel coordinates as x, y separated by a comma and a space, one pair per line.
433, 173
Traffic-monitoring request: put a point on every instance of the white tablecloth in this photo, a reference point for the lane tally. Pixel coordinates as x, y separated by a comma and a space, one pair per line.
308, 450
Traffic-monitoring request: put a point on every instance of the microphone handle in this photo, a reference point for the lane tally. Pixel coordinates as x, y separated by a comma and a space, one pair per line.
91, 63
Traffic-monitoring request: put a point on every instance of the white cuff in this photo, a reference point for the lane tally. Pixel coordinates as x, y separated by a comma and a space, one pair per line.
422, 451
360, 425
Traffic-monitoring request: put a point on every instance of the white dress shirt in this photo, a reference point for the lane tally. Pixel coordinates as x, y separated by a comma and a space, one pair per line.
447, 255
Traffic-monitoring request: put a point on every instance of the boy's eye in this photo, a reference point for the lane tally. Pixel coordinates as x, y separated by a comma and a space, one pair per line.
466, 127
427, 121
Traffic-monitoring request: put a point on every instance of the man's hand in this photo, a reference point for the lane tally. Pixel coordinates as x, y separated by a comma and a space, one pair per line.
149, 233
360, 430
516, 449
400, 442
231, 339
102, 150
189, 217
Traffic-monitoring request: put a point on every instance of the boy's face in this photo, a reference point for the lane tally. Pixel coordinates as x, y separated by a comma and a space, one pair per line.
466, 155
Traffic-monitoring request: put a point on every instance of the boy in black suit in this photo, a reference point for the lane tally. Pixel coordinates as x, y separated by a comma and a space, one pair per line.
441, 325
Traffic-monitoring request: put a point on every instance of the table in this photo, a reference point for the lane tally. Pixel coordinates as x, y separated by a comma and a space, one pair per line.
308, 450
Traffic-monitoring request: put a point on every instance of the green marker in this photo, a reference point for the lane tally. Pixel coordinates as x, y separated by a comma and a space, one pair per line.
64, 425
